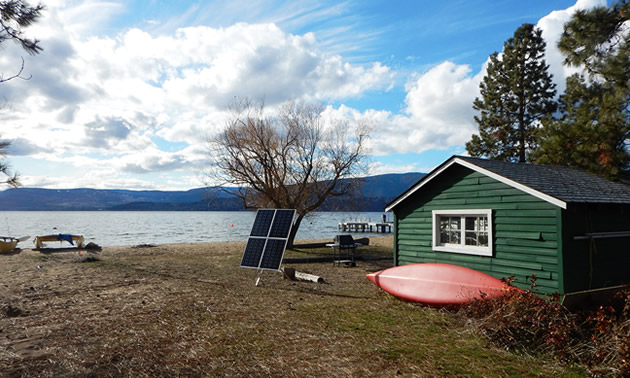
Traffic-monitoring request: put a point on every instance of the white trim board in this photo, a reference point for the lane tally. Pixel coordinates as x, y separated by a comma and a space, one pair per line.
464, 163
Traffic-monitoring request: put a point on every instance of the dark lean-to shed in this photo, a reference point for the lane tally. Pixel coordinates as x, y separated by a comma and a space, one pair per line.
569, 228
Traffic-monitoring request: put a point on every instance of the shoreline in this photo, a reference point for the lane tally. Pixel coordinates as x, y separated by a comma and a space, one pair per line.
119, 229
378, 241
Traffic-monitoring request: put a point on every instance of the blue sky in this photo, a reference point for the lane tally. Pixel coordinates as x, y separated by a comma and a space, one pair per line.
126, 93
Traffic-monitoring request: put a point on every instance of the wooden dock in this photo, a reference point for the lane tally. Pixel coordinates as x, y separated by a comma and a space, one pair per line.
376, 227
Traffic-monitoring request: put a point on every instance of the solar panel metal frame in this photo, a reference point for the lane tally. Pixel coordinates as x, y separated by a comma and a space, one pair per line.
272, 234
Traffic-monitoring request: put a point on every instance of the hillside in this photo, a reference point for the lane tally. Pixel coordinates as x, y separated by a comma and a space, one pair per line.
376, 192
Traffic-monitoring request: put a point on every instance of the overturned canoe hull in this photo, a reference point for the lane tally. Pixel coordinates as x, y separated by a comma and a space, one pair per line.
438, 285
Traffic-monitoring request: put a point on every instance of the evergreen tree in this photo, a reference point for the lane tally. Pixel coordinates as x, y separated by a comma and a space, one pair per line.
592, 132
15, 15
11, 178
516, 93
594, 129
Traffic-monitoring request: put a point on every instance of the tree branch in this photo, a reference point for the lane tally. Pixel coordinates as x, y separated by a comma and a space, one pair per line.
16, 76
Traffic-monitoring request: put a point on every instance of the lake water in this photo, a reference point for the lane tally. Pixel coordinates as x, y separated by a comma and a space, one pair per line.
112, 228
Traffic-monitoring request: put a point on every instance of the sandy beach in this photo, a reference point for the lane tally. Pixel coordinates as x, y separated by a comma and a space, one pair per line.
190, 310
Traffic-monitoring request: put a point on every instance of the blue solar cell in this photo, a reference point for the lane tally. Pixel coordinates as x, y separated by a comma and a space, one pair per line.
253, 252
282, 223
262, 222
274, 251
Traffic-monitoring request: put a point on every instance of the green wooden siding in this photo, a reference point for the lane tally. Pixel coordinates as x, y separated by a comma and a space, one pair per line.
526, 239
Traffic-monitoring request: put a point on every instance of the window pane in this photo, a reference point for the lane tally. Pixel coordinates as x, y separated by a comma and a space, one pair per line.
471, 238
476, 231
453, 237
443, 224
455, 223
450, 230
470, 223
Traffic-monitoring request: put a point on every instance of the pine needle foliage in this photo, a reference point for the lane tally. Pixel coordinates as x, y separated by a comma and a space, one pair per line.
593, 132
15, 15
516, 93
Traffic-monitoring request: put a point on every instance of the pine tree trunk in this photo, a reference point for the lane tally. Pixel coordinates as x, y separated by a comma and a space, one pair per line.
521, 141
521, 127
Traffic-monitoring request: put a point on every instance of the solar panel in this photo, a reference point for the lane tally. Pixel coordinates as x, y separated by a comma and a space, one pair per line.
268, 239
262, 222
274, 251
282, 223
253, 251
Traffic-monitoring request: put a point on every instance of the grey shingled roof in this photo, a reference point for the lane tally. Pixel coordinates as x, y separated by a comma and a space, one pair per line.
567, 184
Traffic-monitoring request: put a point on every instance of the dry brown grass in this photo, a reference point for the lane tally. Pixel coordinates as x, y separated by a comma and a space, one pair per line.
190, 310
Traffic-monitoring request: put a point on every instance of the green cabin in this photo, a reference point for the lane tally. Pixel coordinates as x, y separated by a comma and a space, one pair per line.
568, 228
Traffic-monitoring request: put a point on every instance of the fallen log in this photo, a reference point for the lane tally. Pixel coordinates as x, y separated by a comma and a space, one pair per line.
308, 277
292, 274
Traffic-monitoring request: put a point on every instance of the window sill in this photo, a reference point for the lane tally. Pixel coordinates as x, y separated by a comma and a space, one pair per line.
470, 250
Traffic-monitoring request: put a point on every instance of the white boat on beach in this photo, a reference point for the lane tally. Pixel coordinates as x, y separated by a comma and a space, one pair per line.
9, 243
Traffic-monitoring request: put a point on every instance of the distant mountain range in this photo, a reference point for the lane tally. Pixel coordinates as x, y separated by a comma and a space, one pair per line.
376, 192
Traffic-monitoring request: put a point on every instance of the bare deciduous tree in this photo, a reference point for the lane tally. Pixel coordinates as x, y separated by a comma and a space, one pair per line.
293, 160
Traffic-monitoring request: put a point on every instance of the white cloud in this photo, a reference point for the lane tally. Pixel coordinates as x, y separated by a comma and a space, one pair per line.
439, 113
99, 102
378, 168
111, 95
439, 104
552, 27
262, 61
85, 17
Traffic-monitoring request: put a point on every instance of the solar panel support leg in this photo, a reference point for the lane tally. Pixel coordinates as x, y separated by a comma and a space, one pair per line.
260, 272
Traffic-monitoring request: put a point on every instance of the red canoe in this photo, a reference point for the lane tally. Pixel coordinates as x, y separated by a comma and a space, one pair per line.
438, 285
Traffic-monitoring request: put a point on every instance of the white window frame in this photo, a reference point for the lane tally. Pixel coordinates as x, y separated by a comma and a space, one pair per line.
462, 248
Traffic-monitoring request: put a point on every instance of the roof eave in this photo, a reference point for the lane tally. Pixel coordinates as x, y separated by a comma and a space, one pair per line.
457, 160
